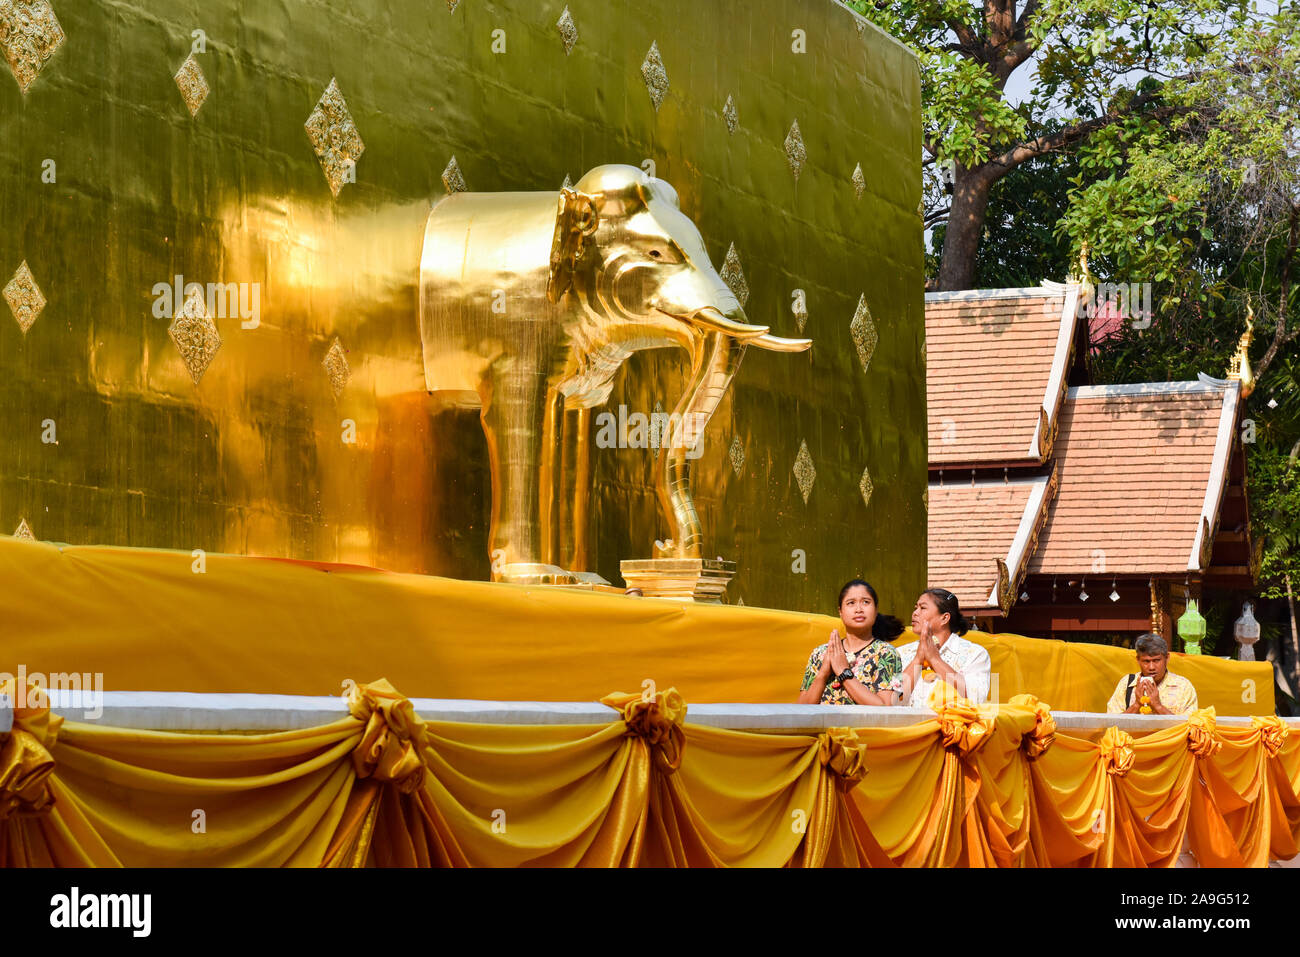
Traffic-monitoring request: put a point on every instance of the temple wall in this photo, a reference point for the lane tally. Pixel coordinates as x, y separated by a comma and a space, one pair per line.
306, 432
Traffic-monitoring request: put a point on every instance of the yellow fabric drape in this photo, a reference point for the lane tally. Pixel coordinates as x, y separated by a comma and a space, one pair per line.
283, 627
978, 786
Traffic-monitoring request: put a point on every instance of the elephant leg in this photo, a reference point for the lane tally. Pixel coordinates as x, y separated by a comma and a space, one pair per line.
551, 477
581, 488
514, 420
709, 382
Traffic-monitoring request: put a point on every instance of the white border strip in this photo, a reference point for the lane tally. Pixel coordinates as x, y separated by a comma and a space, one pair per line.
959, 484
1016, 553
1218, 471
1205, 384
965, 295
177, 711
1054, 395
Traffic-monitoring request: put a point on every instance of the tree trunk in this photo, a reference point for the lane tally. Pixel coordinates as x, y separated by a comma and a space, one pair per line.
1280, 335
961, 241
1293, 665
1292, 668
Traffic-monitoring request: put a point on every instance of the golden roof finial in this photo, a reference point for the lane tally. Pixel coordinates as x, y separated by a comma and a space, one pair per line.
1239, 365
1083, 277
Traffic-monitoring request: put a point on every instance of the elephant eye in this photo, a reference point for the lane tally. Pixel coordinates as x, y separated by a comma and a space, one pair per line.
655, 254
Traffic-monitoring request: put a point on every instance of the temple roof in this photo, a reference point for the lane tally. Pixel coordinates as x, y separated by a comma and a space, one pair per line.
982, 535
1033, 477
1143, 469
997, 365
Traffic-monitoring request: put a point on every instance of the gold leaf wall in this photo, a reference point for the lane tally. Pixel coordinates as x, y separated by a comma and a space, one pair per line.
294, 149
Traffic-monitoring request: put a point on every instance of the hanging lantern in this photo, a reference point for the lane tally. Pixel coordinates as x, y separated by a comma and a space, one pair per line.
1246, 631
1191, 628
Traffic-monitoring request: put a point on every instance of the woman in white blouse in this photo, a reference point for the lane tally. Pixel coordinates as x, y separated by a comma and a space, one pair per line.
942, 654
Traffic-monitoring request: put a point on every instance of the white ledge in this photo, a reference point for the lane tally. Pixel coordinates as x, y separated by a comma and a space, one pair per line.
181, 711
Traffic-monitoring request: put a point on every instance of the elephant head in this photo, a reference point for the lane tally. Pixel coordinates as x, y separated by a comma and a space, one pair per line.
639, 269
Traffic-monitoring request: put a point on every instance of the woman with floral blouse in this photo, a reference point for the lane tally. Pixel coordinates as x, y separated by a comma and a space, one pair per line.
861, 667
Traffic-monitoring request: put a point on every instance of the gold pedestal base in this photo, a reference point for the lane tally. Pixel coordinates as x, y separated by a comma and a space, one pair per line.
536, 573
682, 579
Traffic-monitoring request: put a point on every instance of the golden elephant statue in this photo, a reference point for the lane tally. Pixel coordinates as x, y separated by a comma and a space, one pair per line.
530, 302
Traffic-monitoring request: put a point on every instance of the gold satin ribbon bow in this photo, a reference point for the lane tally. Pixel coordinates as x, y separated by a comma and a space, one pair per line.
1273, 733
1037, 741
1201, 740
1116, 751
394, 739
844, 756
25, 760
961, 725
657, 720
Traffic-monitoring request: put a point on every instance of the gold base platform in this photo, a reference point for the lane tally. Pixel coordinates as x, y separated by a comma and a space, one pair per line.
683, 579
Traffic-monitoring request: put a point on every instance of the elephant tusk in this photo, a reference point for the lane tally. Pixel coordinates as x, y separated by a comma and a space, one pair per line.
713, 320
777, 344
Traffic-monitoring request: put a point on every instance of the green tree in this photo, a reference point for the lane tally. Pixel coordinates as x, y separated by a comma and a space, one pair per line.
1086, 52
1207, 206
1020, 245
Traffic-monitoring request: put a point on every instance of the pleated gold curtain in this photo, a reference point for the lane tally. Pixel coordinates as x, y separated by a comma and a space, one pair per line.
979, 786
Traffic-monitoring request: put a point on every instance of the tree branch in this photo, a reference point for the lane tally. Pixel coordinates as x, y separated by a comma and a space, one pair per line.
1003, 24
967, 41
1022, 22
1001, 165
1020, 51
938, 214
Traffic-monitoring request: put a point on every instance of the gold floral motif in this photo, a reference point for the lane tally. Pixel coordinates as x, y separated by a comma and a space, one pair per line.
730, 115
568, 30
737, 455
733, 276
859, 181
336, 367
656, 77
452, 180
335, 138
24, 297
24, 532
794, 150
29, 35
192, 84
804, 472
866, 486
863, 330
195, 335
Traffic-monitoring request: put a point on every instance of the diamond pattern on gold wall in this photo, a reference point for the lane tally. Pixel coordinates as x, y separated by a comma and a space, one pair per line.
335, 138
30, 34
192, 84
24, 297
195, 334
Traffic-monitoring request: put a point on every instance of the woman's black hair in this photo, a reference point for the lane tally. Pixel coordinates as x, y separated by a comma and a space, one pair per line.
946, 602
885, 627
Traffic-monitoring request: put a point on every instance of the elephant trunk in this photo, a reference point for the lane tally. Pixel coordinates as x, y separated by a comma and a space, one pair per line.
710, 378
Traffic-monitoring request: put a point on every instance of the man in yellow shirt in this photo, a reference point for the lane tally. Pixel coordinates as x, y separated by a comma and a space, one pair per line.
1154, 687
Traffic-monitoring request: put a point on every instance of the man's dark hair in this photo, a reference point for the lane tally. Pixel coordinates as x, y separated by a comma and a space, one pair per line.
1151, 644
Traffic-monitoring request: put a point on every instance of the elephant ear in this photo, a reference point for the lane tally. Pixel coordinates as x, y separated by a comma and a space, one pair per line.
576, 219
